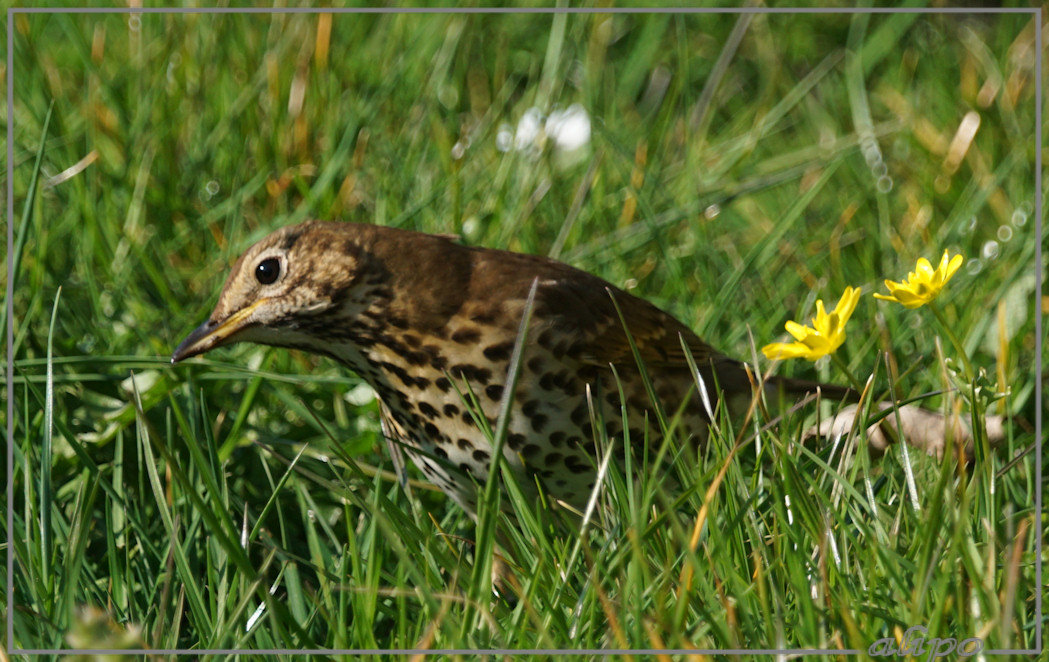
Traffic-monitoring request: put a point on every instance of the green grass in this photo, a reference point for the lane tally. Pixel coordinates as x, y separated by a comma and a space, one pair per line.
179, 500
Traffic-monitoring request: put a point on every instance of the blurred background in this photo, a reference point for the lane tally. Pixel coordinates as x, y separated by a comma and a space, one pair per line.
731, 168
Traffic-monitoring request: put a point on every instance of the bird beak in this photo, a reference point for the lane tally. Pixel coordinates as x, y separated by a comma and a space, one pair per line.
212, 334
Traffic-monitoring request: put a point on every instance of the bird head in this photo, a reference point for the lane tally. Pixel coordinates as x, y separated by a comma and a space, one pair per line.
294, 275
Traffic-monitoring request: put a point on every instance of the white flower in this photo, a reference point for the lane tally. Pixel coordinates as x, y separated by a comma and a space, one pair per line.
529, 129
568, 130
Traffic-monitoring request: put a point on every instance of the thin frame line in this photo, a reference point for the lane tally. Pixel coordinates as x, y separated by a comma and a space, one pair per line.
485, 651
654, 652
524, 10
1039, 227
1036, 15
10, 331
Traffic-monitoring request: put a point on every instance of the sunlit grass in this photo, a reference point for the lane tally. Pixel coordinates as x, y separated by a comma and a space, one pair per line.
733, 186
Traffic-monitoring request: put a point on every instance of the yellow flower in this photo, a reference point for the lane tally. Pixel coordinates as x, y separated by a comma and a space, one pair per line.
924, 283
823, 338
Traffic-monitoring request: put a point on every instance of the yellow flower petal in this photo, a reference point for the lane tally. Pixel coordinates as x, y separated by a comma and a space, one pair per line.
847, 303
782, 350
798, 331
924, 269
826, 334
951, 267
924, 283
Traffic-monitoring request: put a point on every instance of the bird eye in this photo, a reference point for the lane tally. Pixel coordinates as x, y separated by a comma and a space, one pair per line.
268, 270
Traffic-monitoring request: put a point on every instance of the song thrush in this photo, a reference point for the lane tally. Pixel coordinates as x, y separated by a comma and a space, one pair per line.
427, 322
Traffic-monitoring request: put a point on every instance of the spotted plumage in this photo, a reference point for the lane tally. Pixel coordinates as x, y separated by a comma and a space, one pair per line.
431, 325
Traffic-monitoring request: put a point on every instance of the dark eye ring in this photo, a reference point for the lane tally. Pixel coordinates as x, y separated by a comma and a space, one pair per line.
268, 271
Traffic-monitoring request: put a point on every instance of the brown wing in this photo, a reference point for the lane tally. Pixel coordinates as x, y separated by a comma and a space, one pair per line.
590, 304
657, 334
577, 309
